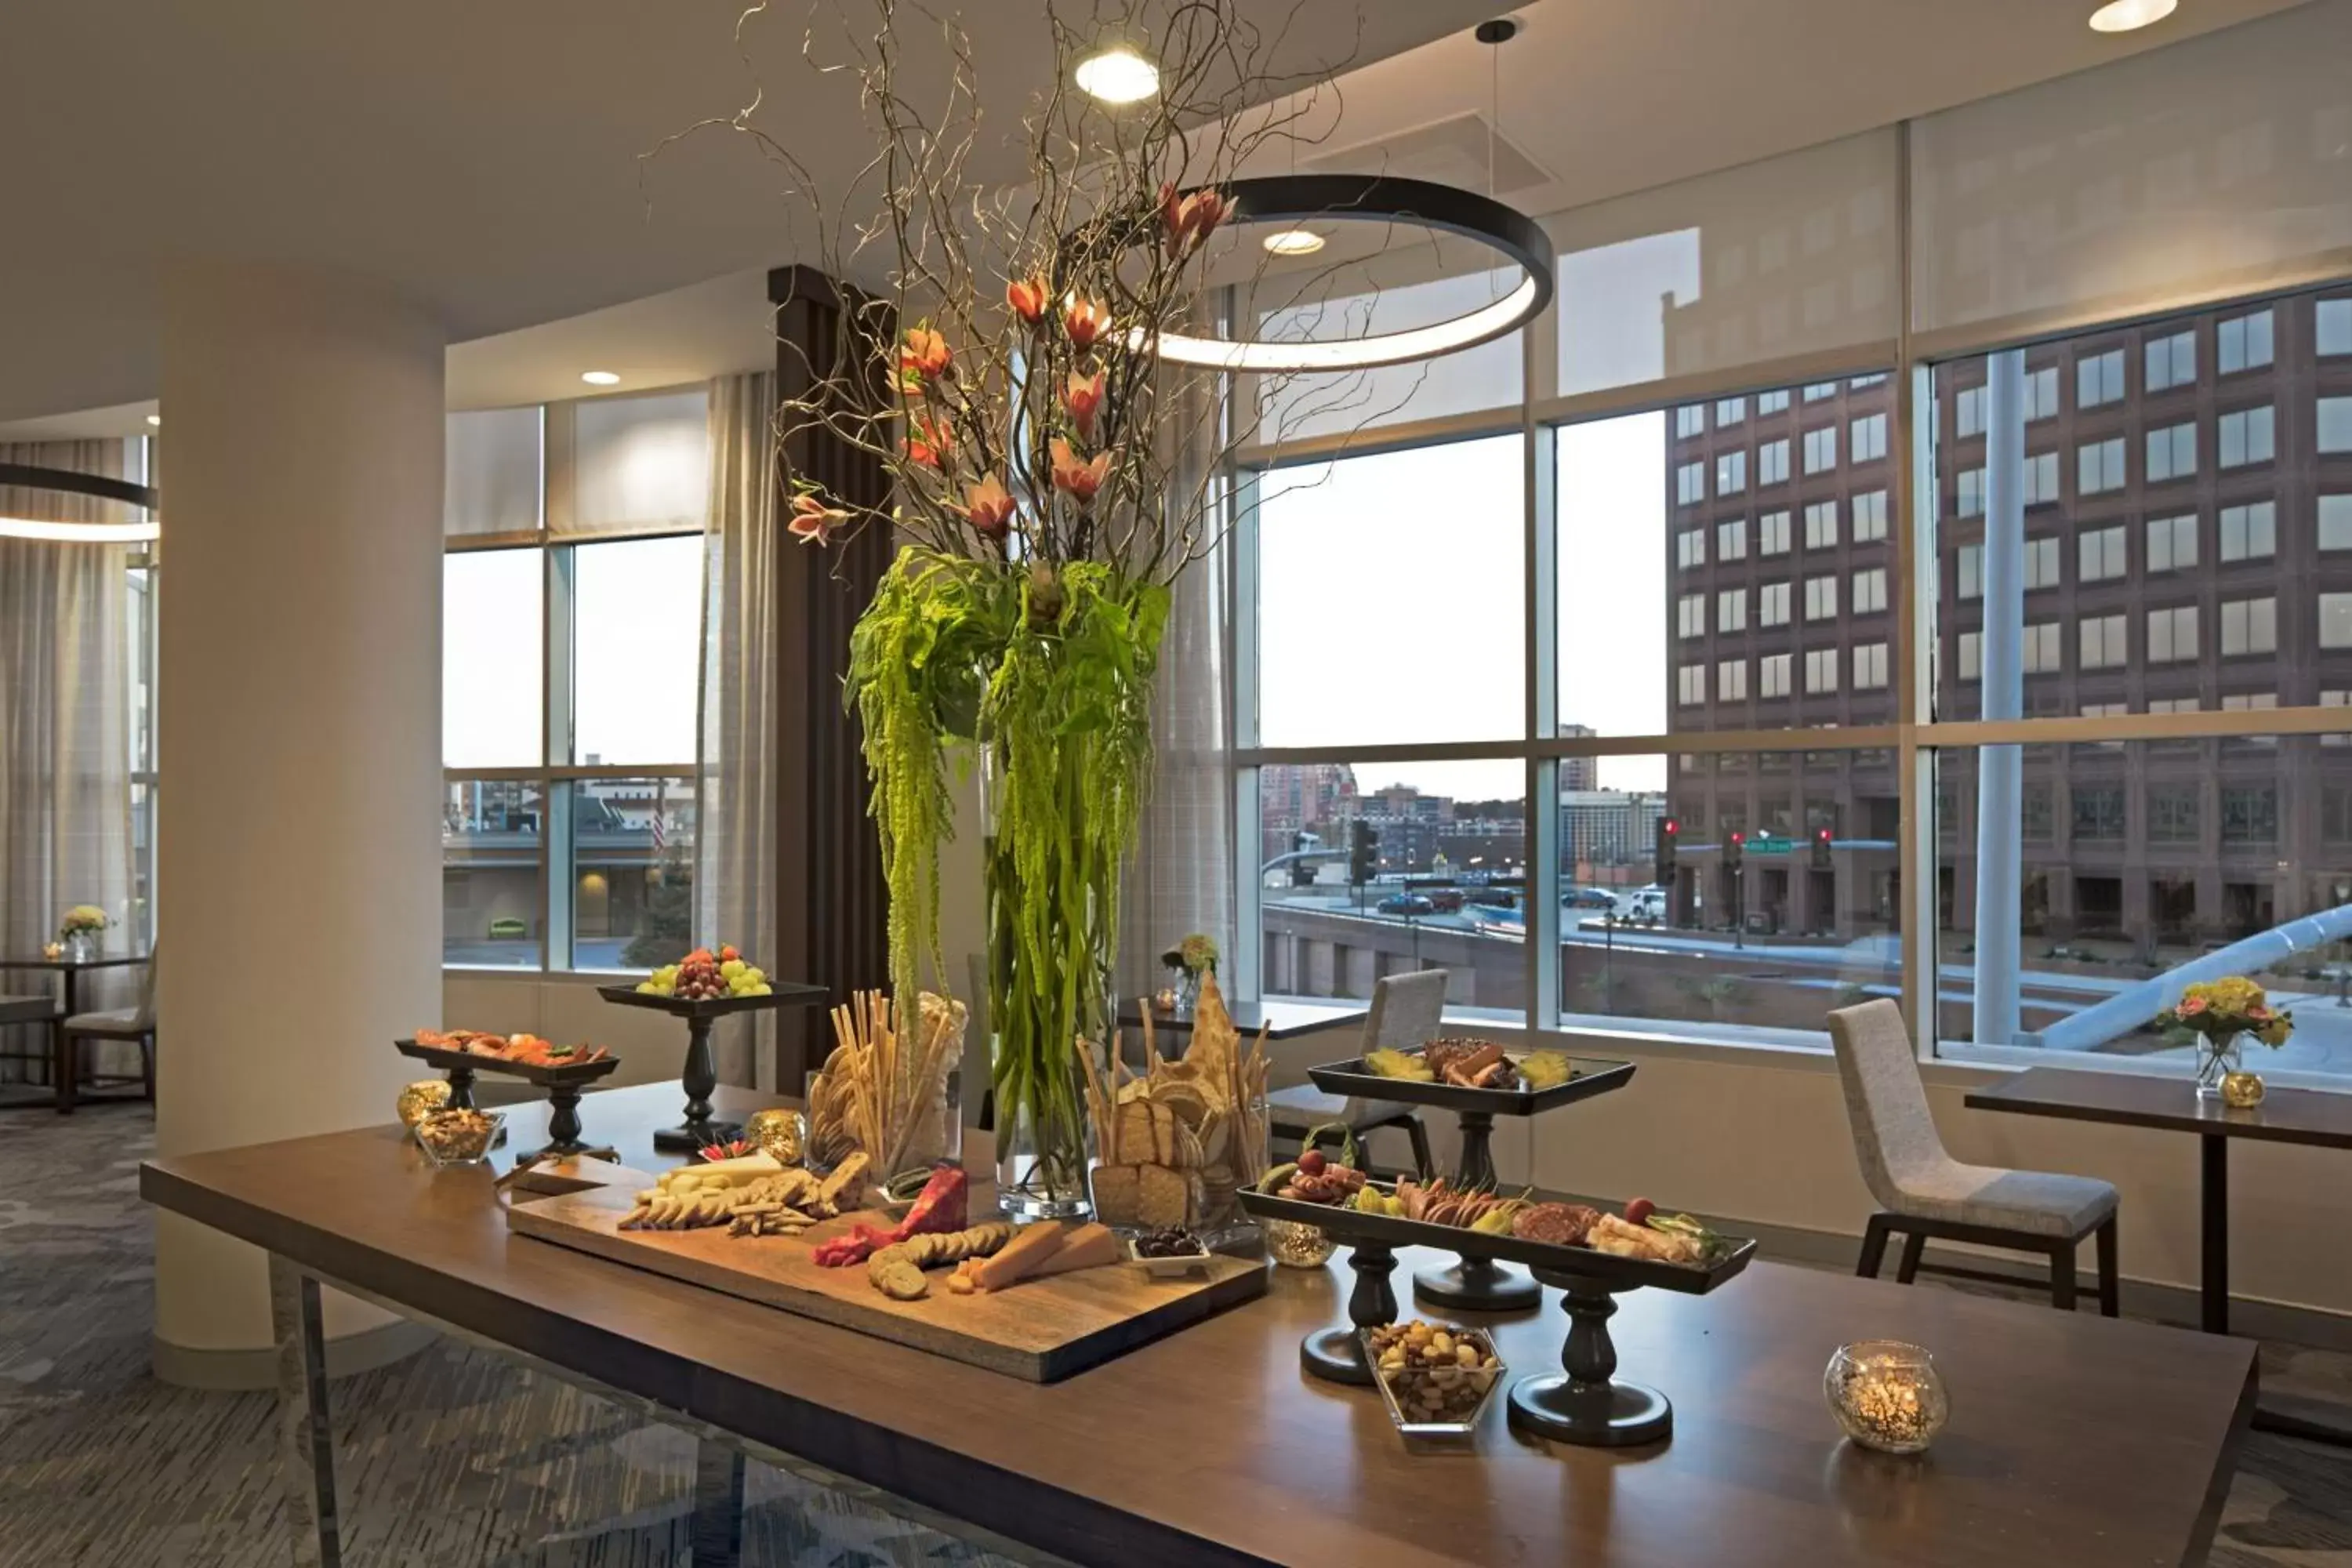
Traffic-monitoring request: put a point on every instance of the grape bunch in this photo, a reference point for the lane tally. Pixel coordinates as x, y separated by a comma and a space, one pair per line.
702, 976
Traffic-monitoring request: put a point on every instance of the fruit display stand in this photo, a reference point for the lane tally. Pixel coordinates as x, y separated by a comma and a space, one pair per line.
1584, 1404
563, 1082
1478, 1283
701, 1072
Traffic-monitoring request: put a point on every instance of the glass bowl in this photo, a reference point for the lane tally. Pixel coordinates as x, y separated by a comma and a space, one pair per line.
459, 1137
1440, 1400
1887, 1395
1295, 1244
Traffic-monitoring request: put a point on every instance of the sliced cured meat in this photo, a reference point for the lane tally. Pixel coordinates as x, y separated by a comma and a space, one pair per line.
1561, 1225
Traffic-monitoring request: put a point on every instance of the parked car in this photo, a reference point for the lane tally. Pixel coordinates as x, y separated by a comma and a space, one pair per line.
1645, 904
1588, 899
509, 928
1445, 900
1406, 904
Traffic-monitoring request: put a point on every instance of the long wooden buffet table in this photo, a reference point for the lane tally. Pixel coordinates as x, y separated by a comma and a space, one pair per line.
2079, 1441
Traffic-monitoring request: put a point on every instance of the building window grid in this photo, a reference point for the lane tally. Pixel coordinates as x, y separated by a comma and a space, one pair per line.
2250, 534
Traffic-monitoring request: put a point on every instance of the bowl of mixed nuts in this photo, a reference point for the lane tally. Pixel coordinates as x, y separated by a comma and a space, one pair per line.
457, 1137
1435, 1378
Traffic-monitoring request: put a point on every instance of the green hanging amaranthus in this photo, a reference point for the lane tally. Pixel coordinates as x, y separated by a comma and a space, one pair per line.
1049, 476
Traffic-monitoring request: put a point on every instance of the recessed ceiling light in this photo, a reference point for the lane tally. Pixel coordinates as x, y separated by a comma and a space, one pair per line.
600, 377
154, 419
2124, 16
1118, 76
1293, 242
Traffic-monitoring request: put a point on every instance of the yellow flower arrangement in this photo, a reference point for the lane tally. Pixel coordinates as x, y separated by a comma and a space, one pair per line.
2221, 1010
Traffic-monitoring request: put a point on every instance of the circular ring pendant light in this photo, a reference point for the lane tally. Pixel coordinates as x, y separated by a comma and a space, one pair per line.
1295, 199
24, 476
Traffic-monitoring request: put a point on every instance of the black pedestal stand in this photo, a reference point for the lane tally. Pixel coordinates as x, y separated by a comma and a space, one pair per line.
1337, 1355
702, 1075
1476, 1284
564, 1129
1588, 1405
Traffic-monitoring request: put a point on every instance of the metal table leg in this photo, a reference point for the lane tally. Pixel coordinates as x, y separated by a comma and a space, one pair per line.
2313, 1420
306, 1437
2213, 1161
718, 1532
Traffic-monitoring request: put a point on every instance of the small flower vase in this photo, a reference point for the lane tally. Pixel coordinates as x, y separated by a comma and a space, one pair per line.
2217, 1062
1188, 991
81, 946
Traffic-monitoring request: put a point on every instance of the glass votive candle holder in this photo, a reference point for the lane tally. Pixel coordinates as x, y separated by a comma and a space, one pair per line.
1887, 1395
1296, 1246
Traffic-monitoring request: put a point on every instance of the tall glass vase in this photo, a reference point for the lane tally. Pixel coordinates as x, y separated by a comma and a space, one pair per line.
1051, 915
2217, 1061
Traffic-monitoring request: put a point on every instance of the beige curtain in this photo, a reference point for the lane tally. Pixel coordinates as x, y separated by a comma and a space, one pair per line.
1182, 877
735, 806
65, 766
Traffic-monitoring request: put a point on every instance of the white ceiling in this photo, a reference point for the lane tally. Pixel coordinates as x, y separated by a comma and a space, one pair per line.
481, 155
484, 155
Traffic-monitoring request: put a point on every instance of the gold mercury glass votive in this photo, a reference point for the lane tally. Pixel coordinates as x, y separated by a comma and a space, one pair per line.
1296, 1246
780, 1132
1887, 1395
425, 1096
2242, 1091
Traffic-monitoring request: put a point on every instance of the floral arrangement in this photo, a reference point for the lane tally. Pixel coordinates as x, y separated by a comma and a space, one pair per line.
1049, 478
84, 919
2219, 1011
1195, 955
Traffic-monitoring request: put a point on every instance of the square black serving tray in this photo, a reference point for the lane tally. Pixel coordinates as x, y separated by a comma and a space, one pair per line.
782, 994
564, 1075
1354, 1079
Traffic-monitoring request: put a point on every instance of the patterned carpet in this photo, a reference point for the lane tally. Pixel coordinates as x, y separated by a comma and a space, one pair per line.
452, 1457
455, 1457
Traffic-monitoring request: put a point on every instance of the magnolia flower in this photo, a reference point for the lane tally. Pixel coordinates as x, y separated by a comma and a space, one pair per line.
2190, 1007
1190, 219
924, 353
1083, 395
1081, 479
927, 441
1085, 321
988, 507
1028, 297
813, 521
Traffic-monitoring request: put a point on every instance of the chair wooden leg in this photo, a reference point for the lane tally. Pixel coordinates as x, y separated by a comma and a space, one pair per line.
1422, 1162
2110, 1281
1907, 1269
1873, 1247
2061, 1275
67, 1049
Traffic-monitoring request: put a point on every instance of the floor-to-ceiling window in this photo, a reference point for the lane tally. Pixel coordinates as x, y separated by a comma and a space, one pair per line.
572, 640
1713, 588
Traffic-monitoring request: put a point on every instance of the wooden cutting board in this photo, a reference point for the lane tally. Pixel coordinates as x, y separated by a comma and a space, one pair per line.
1041, 1329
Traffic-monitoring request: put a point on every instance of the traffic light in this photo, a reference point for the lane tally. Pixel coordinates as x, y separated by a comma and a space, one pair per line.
1735, 845
1302, 874
1821, 861
1662, 857
1364, 852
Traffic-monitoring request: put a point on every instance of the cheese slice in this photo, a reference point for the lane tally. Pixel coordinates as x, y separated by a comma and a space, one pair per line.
1020, 1256
1088, 1247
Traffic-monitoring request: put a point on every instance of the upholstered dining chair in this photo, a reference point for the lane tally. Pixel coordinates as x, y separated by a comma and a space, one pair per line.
1924, 1192
1407, 1010
135, 1023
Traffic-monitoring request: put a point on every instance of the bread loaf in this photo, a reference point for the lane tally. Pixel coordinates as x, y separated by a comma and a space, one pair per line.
1119, 1194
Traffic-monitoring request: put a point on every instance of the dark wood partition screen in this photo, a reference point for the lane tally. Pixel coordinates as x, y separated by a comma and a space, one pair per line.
830, 901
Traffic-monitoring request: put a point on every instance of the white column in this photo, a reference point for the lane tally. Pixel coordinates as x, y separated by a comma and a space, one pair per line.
2000, 768
299, 874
